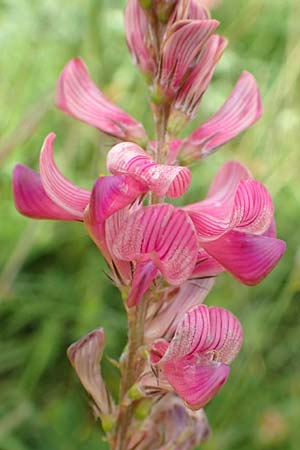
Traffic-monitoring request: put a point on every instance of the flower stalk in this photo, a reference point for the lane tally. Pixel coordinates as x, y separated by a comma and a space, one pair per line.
164, 259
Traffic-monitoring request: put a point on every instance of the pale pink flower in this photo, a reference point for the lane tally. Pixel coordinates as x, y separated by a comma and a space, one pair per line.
85, 356
78, 96
196, 360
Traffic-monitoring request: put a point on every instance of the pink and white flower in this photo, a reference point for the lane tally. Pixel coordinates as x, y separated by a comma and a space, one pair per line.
196, 360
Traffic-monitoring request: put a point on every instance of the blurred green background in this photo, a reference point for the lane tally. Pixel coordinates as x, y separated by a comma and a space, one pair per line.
52, 286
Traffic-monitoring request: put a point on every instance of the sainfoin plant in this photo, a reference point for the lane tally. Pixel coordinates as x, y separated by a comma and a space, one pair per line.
164, 259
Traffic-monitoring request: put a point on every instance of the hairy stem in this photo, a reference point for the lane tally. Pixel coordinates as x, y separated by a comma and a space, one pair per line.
132, 368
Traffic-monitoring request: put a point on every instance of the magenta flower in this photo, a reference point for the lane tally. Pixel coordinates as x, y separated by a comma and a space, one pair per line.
196, 361
78, 96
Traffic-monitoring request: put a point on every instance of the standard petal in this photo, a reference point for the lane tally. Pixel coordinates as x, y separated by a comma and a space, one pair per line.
194, 87
213, 216
85, 356
31, 199
63, 192
162, 234
79, 97
195, 382
105, 214
139, 39
253, 208
128, 158
241, 110
180, 50
248, 257
226, 335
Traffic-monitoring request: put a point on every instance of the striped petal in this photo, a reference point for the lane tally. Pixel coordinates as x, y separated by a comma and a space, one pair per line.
78, 96
85, 356
163, 317
206, 266
241, 110
190, 95
194, 382
144, 274
63, 192
139, 39
248, 257
162, 234
180, 50
127, 158
31, 199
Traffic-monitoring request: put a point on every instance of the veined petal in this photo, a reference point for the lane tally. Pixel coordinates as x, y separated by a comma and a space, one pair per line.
85, 356
206, 266
63, 192
248, 257
241, 110
191, 93
213, 216
180, 49
163, 317
194, 382
162, 234
79, 97
226, 335
138, 38
191, 10
110, 195
31, 199
253, 208
128, 158
144, 274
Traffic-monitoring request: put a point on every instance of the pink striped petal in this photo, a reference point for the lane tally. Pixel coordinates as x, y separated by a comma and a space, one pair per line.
31, 199
241, 110
191, 93
226, 335
253, 208
204, 330
105, 214
194, 382
180, 50
139, 39
85, 356
63, 192
144, 274
164, 235
163, 317
206, 266
127, 158
79, 97
191, 10
212, 216
248, 257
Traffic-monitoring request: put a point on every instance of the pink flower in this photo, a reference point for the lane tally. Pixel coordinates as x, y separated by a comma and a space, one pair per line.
196, 361
78, 96
85, 356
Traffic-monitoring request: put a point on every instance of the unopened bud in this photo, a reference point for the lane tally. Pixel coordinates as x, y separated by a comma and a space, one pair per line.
108, 423
143, 409
146, 4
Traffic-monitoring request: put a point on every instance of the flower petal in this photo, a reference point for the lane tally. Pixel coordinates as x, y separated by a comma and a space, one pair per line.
79, 97
128, 158
85, 356
144, 274
206, 266
31, 199
63, 192
162, 234
164, 317
226, 335
180, 49
138, 38
195, 383
193, 89
241, 110
248, 257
